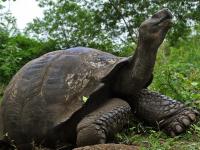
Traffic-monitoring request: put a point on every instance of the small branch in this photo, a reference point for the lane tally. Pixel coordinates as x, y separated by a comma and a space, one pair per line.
126, 24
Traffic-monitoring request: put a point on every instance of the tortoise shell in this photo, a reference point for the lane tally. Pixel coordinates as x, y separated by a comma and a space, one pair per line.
49, 89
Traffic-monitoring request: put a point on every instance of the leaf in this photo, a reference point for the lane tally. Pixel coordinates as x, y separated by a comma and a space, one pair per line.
194, 83
84, 98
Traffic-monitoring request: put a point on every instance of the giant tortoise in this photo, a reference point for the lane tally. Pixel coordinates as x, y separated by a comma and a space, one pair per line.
45, 101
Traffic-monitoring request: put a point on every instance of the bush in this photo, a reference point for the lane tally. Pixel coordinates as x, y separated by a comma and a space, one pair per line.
178, 74
17, 51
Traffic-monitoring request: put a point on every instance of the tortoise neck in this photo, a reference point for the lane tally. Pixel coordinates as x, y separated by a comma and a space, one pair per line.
138, 73
135, 76
143, 61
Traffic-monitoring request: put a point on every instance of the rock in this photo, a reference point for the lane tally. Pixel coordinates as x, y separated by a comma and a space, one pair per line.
108, 147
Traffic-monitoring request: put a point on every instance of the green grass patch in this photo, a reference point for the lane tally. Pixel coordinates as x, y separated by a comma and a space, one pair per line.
149, 139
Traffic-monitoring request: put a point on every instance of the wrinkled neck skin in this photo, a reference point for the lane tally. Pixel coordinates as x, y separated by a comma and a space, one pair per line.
134, 77
142, 63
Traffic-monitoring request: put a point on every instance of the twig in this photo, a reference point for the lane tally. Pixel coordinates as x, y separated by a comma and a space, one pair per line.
126, 24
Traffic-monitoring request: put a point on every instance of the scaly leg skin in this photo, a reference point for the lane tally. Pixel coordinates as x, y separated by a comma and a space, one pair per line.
170, 115
100, 125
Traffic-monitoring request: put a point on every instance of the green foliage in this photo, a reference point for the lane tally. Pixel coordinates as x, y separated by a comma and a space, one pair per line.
110, 23
178, 75
7, 22
149, 139
16, 51
70, 25
4, 36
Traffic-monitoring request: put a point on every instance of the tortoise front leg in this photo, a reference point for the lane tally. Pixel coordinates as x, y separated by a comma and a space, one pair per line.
101, 124
170, 115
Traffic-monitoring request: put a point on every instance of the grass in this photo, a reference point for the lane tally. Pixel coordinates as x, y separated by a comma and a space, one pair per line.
149, 139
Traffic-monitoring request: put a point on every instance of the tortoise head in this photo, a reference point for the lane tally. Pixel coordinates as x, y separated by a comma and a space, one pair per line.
154, 29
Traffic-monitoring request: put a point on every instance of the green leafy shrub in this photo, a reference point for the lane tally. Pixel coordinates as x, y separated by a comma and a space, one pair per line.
178, 75
17, 51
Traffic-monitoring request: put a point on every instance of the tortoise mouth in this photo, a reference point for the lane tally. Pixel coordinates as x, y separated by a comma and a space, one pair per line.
166, 20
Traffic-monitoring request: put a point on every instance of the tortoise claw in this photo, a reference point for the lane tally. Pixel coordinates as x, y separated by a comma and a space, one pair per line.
179, 122
186, 121
178, 129
192, 117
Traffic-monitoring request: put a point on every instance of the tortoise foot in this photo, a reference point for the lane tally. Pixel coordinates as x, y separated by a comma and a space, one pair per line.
180, 121
103, 123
